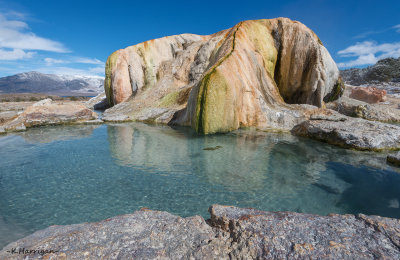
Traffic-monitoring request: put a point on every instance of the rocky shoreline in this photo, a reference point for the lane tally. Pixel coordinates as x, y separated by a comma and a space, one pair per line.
230, 233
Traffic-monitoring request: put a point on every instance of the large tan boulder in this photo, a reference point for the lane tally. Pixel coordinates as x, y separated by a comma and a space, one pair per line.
254, 74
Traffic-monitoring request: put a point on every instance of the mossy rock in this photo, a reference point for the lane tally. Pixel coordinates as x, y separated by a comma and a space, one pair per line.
110, 64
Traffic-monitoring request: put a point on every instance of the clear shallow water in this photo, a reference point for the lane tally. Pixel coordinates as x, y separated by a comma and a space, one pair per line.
74, 174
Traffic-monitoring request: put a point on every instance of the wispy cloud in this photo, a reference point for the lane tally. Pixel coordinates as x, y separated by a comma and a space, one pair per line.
87, 61
368, 53
63, 70
51, 61
16, 39
69, 60
15, 54
369, 33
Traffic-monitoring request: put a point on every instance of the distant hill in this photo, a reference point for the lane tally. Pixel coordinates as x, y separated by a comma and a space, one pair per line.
36, 82
384, 71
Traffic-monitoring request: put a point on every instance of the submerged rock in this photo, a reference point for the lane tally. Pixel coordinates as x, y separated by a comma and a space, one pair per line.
394, 159
248, 75
350, 132
231, 233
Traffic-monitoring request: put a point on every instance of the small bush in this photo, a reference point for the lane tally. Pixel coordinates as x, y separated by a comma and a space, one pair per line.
73, 98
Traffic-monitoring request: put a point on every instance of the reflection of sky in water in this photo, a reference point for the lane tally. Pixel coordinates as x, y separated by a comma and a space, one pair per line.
74, 174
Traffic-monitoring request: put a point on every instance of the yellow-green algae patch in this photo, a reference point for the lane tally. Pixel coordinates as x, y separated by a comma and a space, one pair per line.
110, 64
263, 42
205, 122
169, 100
218, 113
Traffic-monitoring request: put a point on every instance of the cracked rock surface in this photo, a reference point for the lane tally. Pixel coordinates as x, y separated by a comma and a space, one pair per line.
231, 233
349, 132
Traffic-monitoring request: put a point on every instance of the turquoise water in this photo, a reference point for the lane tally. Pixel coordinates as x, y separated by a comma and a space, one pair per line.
73, 174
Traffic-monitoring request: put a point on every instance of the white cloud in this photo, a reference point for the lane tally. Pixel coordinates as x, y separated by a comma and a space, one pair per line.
68, 60
63, 70
361, 60
397, 27
15, 54
88, 61
368, 53
15, 35
98, 70
51, 61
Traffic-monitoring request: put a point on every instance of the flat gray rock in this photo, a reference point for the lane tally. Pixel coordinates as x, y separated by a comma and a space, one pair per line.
231, 233
351, 132
375, 112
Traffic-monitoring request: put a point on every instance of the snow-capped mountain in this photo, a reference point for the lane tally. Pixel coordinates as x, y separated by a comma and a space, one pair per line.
36, 82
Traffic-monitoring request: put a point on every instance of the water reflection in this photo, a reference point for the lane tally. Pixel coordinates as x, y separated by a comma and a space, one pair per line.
50, 134
246, 162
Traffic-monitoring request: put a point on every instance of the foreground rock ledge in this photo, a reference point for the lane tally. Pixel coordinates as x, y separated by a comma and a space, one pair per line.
231, 233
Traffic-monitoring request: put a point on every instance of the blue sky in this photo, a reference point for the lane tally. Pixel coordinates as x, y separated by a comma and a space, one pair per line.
76, 37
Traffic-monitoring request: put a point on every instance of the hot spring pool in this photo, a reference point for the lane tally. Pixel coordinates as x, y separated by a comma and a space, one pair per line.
74, 174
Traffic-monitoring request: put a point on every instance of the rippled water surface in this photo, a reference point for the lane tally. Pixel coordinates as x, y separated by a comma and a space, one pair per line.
73, 174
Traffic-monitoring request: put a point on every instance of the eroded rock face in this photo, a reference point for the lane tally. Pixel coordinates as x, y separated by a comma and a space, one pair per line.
244, 76
231, 233
370, 95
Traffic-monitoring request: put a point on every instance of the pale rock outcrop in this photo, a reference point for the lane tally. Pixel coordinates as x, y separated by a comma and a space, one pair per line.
47, 112
98, 102
252, 74
44, 102
231, 233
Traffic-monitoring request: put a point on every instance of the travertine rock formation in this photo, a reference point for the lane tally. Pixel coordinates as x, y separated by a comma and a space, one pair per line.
231, 233
249, 75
